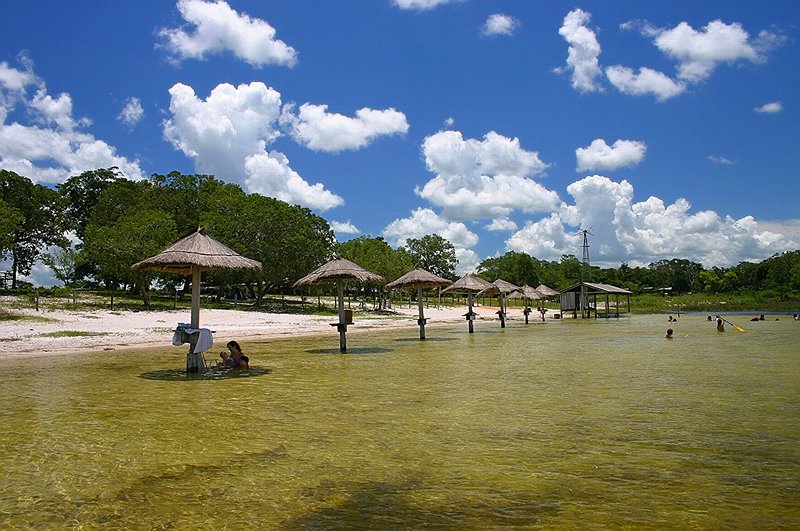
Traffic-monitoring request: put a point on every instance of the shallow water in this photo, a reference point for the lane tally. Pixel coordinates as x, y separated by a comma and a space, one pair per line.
573, 424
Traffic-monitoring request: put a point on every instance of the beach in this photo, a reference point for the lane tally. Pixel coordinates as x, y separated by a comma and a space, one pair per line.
62, 332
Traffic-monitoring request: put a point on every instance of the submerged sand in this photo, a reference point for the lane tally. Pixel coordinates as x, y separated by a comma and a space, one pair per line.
57, 332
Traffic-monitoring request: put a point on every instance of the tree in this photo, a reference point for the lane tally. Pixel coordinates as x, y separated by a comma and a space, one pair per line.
63, 262
10, 221
42, 221
186, 197
515, 267
136, 235
288, 240
82, 192
374, 254
433, 253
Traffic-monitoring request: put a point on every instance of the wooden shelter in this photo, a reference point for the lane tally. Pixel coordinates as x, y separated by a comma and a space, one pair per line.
419, 279
470, 284
528, 294
191, 256
501, 288
583, 298
340, 271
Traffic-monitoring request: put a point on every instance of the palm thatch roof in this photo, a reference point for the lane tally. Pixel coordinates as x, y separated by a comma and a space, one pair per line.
500, 286
196, 250
418, 278
546, 291
339, 269
469, 282
526, 292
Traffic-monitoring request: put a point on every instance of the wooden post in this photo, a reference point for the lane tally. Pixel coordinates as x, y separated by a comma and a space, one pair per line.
342, 324
469, 313
194, 360
421, 313
502, 312
37, 299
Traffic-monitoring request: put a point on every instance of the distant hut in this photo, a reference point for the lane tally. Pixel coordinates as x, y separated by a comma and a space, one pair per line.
419, 279
469, 284
191, 256
583, 298
340, 271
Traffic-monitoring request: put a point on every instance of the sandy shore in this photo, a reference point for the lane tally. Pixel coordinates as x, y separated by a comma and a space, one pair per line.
49, 333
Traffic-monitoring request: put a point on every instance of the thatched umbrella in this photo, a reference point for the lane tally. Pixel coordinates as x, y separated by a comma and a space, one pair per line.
338, 271
191, 256
419, 279
501, 288
470, 284
547, 292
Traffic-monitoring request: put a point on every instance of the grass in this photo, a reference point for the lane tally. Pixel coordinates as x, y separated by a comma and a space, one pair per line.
72, 333
5, 315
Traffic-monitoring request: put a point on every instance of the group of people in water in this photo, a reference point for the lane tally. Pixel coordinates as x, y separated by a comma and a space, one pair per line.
234, 358
720, 323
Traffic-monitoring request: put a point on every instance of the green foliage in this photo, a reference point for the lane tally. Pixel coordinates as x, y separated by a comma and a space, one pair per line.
434, 254
42, 223
81, 193
63, 262
377, 256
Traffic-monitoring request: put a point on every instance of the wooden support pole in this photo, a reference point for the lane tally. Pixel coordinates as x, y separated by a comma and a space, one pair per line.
421, 314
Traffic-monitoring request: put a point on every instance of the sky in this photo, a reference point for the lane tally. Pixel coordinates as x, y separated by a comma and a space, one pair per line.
666, 129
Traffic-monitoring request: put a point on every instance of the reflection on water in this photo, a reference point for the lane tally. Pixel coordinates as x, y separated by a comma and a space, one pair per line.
210, 373
568, 425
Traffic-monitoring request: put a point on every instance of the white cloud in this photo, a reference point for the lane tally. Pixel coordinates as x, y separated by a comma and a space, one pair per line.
50, 146
449, 122
501, 225
270, 174
486, 178
770, 108
644, 232
600, 156
425, 221
314, 127
227, 135
584, 50
218, 28
421, 5
700, 52
719, 159
132, 113
344, 227
500, 24
647, 81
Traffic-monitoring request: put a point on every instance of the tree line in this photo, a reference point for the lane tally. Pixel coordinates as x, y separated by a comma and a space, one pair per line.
118, 222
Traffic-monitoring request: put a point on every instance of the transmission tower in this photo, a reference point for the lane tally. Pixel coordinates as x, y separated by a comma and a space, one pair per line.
586, 271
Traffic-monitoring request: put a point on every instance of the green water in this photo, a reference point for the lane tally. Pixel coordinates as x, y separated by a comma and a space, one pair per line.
572, 424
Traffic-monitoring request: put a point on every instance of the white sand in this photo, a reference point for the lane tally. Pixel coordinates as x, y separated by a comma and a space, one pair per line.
107, 330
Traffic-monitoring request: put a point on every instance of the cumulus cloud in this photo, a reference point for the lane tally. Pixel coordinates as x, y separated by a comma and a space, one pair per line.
501, 225
314, 127
499, 24
770, 108
699, 52
600, 156
644, 232
50, 145
421, 5
425, 221
218, 28
227, 135
584, 51
132, 113
344, 227
647, 81
486, 178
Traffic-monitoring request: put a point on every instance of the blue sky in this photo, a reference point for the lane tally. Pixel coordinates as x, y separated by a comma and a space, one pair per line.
669, 129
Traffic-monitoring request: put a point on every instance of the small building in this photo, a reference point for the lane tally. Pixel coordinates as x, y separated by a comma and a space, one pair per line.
588, 297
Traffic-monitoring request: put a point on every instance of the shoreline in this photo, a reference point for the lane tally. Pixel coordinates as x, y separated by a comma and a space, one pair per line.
63, 332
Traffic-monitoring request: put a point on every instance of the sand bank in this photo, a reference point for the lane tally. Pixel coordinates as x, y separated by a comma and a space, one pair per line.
57, 332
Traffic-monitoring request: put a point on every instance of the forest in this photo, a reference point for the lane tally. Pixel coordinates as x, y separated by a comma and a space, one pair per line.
90, 229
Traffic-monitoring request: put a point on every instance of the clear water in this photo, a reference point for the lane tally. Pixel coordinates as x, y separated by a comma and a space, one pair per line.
576, 424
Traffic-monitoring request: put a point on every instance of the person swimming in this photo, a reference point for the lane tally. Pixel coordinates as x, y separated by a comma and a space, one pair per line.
720, 324
669, 333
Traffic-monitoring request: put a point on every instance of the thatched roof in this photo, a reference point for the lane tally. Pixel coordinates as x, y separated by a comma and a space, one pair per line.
546, 291
526, 292
418, 278
339, 269
197, 249
469, 282
501, 286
